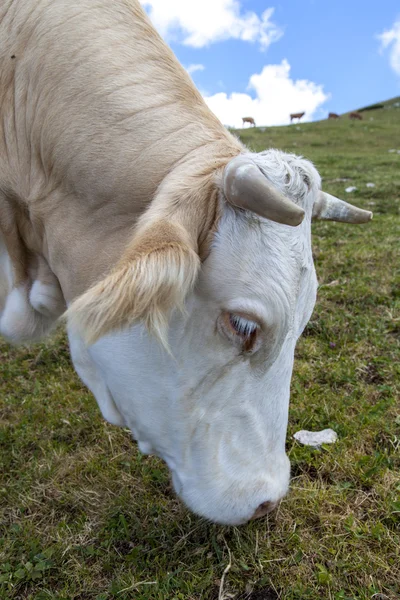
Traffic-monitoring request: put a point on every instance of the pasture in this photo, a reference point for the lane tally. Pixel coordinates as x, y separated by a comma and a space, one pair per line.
84, 516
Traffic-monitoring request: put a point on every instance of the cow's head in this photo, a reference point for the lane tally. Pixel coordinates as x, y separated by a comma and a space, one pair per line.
215, 407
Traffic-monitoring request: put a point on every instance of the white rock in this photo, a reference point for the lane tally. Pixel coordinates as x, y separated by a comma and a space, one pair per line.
370, 185
316, 438
351, 188
392, 150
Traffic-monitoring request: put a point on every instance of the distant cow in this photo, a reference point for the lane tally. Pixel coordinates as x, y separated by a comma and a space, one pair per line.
249, 120
355, 115
296, 116
333, 116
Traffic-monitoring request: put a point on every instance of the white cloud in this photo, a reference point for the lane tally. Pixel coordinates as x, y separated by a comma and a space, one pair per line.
199, 24
276, 96
193, 68
391, 39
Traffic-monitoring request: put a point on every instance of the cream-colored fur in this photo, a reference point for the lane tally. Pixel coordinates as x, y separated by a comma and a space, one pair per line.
5, 275
99, 125
154, 277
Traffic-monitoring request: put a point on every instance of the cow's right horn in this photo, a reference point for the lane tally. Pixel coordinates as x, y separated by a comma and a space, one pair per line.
329, 208
246, 187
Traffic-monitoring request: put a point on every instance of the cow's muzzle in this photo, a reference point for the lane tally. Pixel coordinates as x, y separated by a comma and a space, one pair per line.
264, 509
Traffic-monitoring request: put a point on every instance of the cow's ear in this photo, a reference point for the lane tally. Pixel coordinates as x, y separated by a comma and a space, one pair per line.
161, 263
156, 272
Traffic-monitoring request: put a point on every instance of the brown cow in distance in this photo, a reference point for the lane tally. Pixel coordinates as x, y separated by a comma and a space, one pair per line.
296, 116
355, 115
333, 116
249, 120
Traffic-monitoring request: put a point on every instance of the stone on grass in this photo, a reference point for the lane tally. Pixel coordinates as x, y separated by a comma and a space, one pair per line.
316, 438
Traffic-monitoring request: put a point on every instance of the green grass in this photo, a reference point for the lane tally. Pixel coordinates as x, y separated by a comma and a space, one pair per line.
85, 516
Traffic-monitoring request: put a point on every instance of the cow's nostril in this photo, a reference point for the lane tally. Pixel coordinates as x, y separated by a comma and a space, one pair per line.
263, 509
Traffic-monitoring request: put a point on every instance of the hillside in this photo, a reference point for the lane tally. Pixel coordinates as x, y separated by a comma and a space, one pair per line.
357, 151
392, 103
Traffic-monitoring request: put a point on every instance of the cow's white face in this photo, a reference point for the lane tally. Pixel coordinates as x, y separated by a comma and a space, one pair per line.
216, 410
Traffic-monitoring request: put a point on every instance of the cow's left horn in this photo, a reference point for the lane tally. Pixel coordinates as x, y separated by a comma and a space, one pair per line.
329, 208
246, 187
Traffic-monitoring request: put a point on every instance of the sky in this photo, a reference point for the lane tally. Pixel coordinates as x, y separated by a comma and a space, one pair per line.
269, 58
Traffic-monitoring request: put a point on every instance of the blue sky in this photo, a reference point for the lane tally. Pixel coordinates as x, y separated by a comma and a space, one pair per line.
271, 58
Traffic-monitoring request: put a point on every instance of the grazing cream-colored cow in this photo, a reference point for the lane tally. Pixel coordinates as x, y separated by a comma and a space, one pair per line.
183, 258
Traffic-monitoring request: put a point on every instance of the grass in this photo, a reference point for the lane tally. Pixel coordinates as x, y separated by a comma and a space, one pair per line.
83, 516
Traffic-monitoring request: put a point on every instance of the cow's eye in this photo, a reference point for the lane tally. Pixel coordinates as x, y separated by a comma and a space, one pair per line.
240, 330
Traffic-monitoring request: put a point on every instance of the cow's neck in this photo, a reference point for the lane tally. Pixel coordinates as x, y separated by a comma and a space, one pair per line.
82, 241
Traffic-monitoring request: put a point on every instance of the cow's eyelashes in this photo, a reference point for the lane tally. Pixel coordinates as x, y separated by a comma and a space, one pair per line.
240, 330
242, 326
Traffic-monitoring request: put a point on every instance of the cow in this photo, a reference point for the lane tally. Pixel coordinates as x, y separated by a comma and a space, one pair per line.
249, 120
297, 116
180, 261
355, 115
333, 116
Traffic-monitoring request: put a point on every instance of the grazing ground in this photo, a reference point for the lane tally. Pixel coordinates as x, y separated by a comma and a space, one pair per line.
84, 516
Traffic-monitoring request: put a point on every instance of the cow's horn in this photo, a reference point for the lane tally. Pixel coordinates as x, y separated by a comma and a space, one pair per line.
246, 187
329, 208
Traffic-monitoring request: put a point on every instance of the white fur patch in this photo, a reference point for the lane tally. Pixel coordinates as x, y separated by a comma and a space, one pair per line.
293, 175
92, 378
46, 299
19, 322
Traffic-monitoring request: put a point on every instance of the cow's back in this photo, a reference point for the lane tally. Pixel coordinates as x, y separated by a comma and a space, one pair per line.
80, 78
